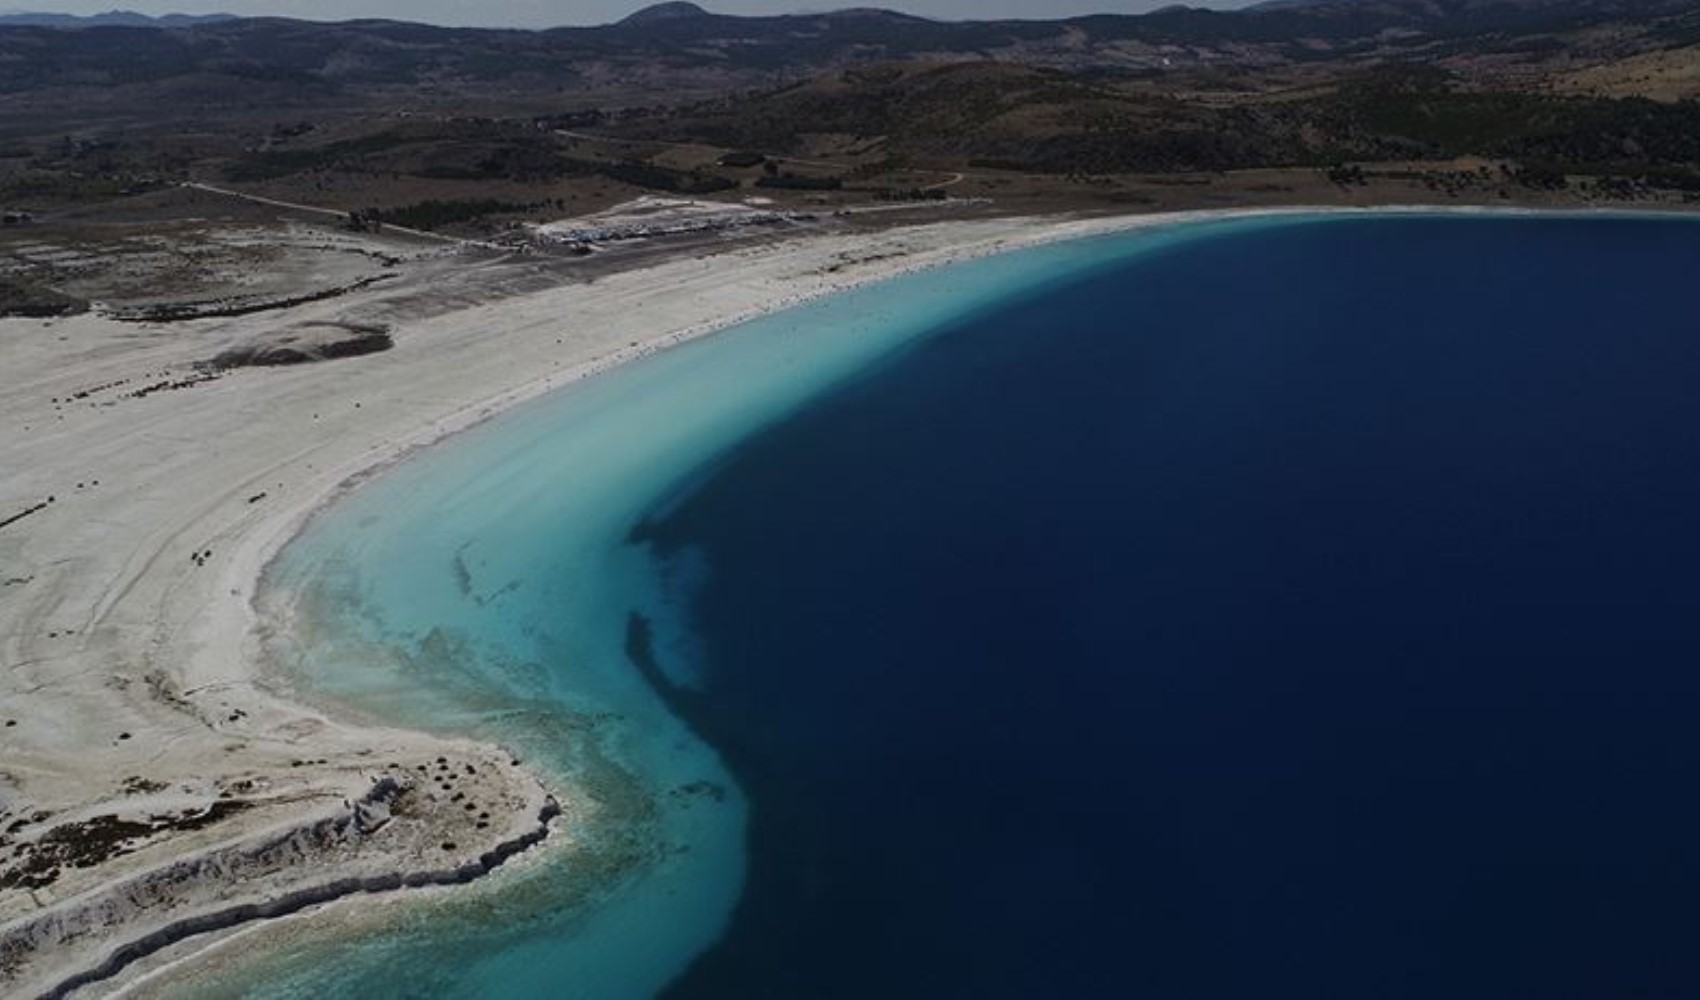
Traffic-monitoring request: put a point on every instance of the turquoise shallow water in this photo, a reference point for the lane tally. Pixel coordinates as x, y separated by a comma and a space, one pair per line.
484, 588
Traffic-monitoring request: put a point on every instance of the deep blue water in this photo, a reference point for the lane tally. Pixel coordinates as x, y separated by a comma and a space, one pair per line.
1308, 612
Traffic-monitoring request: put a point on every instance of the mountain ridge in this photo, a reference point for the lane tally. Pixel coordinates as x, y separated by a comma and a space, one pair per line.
684, 51
119, 18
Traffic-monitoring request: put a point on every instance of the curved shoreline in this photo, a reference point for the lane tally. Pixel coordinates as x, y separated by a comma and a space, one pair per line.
214, 651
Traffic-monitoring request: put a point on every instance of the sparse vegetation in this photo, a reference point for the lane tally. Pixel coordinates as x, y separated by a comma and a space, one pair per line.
431, 215
797, 182
654, 178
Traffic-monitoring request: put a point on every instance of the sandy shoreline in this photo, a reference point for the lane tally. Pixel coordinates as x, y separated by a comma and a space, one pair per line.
133, 688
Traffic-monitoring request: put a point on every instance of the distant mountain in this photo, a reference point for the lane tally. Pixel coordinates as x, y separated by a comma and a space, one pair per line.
123, 18
665, 12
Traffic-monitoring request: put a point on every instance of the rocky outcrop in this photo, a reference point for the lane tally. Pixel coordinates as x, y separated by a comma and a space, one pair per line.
305, 343
217, 874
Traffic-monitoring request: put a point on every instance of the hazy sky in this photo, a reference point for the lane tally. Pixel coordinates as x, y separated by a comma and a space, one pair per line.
547, 13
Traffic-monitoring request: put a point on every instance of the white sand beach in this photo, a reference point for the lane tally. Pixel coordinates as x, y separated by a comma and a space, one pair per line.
154, 778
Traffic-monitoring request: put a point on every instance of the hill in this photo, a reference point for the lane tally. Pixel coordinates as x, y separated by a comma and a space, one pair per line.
663, 12
681, 49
